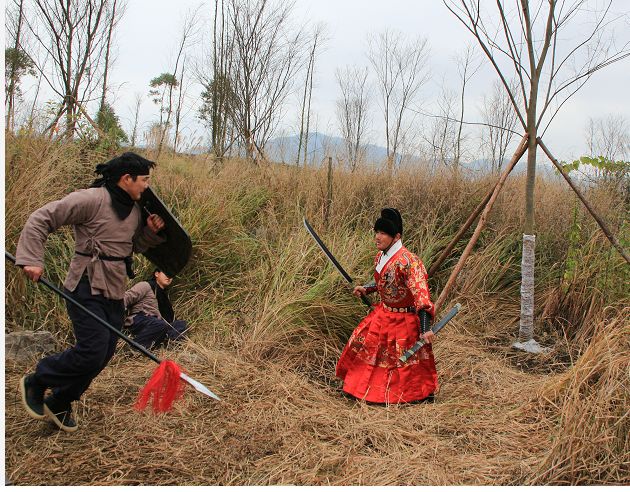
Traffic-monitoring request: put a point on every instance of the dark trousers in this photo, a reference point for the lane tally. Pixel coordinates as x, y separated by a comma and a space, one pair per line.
70, 373
150, 331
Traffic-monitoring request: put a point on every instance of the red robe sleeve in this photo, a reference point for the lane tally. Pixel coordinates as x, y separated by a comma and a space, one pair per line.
416, 281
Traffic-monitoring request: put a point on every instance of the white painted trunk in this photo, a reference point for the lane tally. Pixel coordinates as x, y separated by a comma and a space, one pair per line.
526, 340
526, 328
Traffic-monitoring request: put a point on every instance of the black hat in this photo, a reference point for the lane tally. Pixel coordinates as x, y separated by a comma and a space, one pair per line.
390, 222
127, 163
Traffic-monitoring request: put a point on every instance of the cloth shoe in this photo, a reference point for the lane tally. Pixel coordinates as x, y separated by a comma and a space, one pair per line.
32, 396
428, 399
60, 414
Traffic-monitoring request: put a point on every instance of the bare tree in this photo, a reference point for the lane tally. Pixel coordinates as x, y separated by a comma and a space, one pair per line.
401, 71
609, 137
136, 117
533, 45
216, 112
169, 82
17, 61
117, 11
352, 111
179, 107
218, 98
74, 37
161, 94
267, 54
446, 135
316, 41
500, 121
467, 67
444, 129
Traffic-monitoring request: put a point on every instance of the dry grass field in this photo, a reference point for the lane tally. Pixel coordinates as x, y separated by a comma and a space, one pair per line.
270, 316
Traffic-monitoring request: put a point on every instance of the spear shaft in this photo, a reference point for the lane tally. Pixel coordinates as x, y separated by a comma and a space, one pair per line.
195, 384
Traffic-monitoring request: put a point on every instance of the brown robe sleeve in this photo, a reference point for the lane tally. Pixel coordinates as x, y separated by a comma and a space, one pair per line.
76, 208
136, 294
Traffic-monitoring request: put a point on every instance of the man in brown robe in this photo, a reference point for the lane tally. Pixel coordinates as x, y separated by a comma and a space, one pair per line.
108, 228
150, 315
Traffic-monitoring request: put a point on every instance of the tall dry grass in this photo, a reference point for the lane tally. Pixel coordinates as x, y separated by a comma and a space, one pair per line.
591, 406
269, 316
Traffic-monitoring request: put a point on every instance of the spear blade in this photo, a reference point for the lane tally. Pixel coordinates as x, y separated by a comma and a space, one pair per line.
198, 386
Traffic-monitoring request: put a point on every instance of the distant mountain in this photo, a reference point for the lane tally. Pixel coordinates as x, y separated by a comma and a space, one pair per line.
320, 147
543, 166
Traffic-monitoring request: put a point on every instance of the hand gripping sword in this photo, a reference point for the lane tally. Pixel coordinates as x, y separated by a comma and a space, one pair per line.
437, 327
195, 384
334, 261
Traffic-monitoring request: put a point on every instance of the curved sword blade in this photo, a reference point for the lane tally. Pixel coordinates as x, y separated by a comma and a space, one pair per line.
330, 256
333, 260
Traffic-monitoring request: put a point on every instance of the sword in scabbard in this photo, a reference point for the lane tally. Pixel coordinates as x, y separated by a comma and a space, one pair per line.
435, 328
409, 353
333, 260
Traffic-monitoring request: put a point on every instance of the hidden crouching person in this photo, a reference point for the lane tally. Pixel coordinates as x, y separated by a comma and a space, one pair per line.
150, 316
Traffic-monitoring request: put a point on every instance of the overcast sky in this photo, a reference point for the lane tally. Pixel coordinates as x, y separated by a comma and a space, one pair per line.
147, 37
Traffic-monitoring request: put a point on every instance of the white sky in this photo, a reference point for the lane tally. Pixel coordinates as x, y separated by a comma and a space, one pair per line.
147, 36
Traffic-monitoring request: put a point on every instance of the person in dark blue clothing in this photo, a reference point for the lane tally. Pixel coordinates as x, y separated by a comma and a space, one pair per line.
150, 316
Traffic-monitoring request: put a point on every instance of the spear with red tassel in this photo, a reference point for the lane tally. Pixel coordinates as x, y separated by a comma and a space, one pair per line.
164, 386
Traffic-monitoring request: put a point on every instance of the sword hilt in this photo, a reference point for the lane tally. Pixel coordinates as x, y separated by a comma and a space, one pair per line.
366, 301
437, 327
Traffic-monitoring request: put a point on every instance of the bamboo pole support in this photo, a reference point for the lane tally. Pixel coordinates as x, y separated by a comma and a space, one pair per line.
588, 206
480, 225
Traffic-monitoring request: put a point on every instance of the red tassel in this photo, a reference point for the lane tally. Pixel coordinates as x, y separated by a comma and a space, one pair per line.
165, 386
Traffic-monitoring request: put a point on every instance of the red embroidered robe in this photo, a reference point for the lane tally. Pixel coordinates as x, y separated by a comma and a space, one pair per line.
369, 364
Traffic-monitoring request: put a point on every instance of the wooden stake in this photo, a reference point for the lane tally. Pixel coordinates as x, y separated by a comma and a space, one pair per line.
447, 250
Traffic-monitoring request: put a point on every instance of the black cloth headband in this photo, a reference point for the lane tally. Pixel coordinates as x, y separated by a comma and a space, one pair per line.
127, 163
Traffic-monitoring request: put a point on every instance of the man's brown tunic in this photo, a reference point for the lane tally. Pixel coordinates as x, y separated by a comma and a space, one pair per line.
97, 231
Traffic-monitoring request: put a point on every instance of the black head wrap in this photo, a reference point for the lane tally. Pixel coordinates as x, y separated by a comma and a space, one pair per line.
164, 303
127, 163
390, 222
113, 170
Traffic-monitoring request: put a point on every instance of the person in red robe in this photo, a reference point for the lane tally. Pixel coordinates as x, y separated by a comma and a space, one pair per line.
369, 364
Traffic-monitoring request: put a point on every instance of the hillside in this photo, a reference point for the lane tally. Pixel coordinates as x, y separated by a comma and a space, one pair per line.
270, 316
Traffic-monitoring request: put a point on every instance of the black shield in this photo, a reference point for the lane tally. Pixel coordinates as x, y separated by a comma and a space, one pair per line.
171, 256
